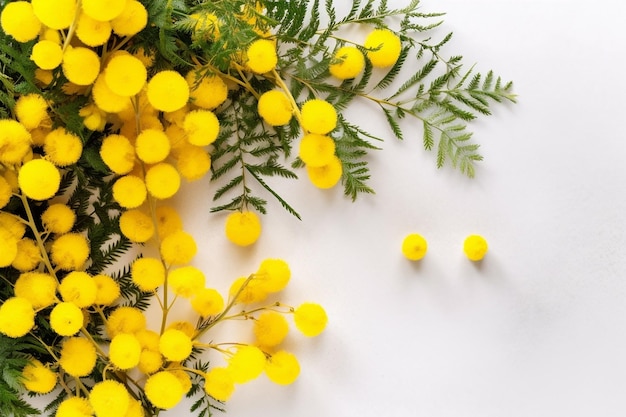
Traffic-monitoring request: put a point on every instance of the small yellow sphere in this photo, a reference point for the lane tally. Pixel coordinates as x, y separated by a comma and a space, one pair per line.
475, 247
414, 247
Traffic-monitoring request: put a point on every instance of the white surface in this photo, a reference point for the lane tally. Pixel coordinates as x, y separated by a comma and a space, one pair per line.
539, 329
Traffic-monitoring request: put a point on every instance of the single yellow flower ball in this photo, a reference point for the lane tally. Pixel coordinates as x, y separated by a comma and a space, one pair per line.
168, 221
28, 255
118, 153
147, 273
270, 329
246, 364
178, 248
164, 390
243, 228
275, 108
282, 368
475, 247
273, 274
152, 146
109, 399
316, 150
348, 62
66, 319
414, 247
78, 356
103, 10
38, 378
81, 66
219, 384
252, 292
125, 320
384, 47
326, 176
47, 55
8, 247
92, 32
39, 179
150, 361
18, 20
70, 251
175, 345
55, 14
15, 142
132, 20
62, 147
107, 100
201, 127
78, 287
318, 116
108, 290
162, 180
125, 75
17, 317
74, 407
58, 218
186, 281
193, 162
124, 351
261, 56
31, 110
130, 191
207, 92
136, 226
310, 319
37, 287
207, 302
168, 91
12, 224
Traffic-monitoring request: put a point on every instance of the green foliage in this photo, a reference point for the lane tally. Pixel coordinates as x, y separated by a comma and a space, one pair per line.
14, 355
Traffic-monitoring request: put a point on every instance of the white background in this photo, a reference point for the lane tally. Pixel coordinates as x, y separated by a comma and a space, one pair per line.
539, 328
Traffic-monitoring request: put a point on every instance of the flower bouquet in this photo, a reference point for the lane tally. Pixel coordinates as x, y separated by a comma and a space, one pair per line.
108, 107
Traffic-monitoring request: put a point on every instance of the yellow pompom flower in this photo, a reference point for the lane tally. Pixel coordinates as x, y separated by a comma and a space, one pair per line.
147, 273
14, 142
17, 317
326, 176
66, 319
168, 91
135, 409
252, 292
103, 10
219, 384
38, 378
273, 274
132, 20
94, 118
193, 162
207, 302
243, 228
108, 290
107, 100
310, 319
92, 32
186, 280
37, 287
125, 320
164, 390
162, 180
12, 224
78, 287
414, 247
118, 153
207, 25
8, 247
275, 108
384, 47
316, 150
58, 218
348, 62
136, 226
201, 127
475, 247
78, 356
152, 146
39, 179
184, 326
62, 147
246, 364
81, 66
178, 248
150, 361
261, 56
31, 110
318, 116
124, 351
18, 20
70, 251
28, 256
6, 192
125, 75
175, 345
148, 339
74, 407
130, 191
270, 329
208, 92
55, 14
168, 220
282, 368
182, 376
47, 55
109, 399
